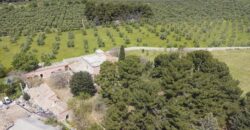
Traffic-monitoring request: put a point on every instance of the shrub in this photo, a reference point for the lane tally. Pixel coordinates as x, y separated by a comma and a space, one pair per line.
100, 42
139, 40
121, 34
163, 36
26, 96
127, 41
163, 29
71, 35
11, 90
84, 32
57, 38
71, 43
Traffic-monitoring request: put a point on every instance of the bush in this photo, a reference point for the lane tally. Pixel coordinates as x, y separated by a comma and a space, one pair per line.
40, 41
26, 96
71, 35
13, 39
100, 42
127, 41
163, 36
139, 40
84, 32
11, 90
57, 38
71, 43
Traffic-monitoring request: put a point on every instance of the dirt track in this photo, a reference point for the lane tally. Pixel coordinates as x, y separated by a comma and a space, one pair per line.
184, 49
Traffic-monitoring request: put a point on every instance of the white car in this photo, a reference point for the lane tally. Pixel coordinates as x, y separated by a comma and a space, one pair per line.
7, 100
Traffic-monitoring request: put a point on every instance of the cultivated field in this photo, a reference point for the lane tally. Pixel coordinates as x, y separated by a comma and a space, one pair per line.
183, 23
204, 34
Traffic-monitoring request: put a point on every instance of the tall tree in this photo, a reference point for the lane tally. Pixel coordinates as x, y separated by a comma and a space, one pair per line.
2, 71
25, 61
45, 58
82, 82
241, 119
122, 53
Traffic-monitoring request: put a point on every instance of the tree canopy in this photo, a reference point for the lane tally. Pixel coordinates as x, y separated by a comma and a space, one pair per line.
106, 12
122, 53
2, 71
25, 61
176, 92
82, 82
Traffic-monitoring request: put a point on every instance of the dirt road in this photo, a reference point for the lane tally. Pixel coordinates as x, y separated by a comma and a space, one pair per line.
184, 49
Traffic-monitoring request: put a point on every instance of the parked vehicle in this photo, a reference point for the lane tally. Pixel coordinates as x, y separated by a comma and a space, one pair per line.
7, 100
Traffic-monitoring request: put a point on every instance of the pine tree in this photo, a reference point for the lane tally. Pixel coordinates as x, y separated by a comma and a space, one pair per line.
2, 71
122, 53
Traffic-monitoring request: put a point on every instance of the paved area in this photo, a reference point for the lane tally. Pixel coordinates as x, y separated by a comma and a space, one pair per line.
44, 97
31, 124
10, 115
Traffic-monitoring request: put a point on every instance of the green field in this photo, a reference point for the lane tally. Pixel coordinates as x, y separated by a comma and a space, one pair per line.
238, 62
239, 65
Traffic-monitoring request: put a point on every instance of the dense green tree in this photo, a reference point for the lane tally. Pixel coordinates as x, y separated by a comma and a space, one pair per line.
177, 92
25, 61
106, 12
241, 120
209, 122
11, 90
2, 71
122, 53
3, 87
129, 70
82, 82
46, 59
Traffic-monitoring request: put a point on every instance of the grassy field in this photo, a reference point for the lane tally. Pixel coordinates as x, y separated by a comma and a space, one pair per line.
238, 62
239, 65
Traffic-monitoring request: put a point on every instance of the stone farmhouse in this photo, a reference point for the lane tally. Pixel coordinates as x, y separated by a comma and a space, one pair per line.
90, 63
